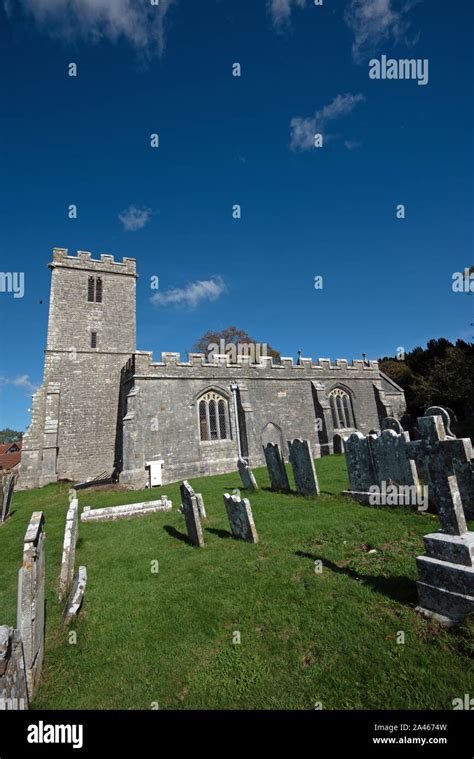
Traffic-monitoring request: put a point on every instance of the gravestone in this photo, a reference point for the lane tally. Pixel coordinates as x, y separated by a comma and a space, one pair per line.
76, 597
8, 483
360, 465
438, 458
391, 460
446, 584
191, 513
69, 549
240, 518
127, 511
447, 415
276, 468
301, 460
13, 686
188, 492
31, 608
246, 475
390, 423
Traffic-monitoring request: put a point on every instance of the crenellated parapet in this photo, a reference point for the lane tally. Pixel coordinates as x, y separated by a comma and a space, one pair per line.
145, 364
83, 260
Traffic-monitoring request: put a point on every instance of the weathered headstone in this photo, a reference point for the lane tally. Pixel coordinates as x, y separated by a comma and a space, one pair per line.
127, 511
391, 423
276, 468
360, 465
30, 612
240, 518
246, 475
446, 585
13, 686
301, 460
439, 460
391, 460
69, 549
7, 496
76, 595
188, 492
446, 414
191, 513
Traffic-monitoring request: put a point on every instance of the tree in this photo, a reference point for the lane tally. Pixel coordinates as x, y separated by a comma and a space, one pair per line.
10, 436
232, 336
442, 374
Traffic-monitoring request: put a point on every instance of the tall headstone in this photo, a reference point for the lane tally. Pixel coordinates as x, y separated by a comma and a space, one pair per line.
390, 458
446, 585
30, 612
190, 510
13, 687
438, 458
76, 596
69, 549
301, 460
188, 492
276, 468
360, 465
7, 496
240, 518
246, 475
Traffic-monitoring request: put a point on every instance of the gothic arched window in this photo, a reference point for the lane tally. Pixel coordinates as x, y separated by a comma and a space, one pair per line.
214, 423
94, 289
341, 409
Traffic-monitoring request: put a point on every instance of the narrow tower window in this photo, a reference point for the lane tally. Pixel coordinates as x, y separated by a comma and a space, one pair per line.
93, 339
94, 290
90, 290
98, 290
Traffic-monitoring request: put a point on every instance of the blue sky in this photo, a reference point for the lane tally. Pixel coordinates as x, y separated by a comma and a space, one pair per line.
228, 140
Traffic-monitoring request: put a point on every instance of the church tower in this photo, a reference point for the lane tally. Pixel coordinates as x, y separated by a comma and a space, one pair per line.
91, 336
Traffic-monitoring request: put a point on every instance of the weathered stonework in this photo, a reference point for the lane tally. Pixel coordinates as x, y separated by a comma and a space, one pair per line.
246, 475
6, 496
69, 548
301, 460
76, 596
113, 408
276, 468
13, 685
240, 518
128, 511
192, 518
187, 493
31, 605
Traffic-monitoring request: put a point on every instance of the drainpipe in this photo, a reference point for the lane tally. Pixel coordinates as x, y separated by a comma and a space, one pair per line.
234, 387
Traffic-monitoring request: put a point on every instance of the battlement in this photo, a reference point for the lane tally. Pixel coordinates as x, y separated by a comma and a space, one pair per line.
83, 260
144, 363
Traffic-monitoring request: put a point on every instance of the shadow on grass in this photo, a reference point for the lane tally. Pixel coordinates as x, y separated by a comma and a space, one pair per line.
282, 492
219, 533
174, 533
400, 589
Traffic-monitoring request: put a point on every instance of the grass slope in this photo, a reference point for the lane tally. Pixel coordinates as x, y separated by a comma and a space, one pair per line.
145, 639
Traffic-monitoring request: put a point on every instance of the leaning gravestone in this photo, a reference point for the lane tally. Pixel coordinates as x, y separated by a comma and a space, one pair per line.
276, 468
8, 484
188, 492
13, 687
301, 460
360, 465
76, 596
30, 610
446, 585
190, 510
437, 453
246, 475
240, 518
69, 548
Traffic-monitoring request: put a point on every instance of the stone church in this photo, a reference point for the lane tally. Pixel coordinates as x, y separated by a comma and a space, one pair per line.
107, 410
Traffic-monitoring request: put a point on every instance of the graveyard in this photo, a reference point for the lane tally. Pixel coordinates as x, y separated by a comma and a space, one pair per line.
315, 610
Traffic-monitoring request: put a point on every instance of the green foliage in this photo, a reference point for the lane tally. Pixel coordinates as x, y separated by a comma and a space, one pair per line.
10, 436
145, 638
440, 374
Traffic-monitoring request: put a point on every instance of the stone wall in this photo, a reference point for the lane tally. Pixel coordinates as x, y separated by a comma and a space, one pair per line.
161, 417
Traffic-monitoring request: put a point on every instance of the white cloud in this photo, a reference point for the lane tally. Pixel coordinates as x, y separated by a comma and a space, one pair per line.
192, 294
22, 381
374, 22
304, 129
134, 218
280, 11
137, 21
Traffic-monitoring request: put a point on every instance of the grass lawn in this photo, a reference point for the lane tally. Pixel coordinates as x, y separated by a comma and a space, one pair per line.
167, 638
